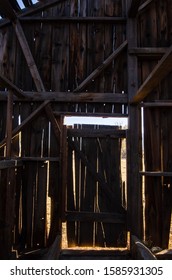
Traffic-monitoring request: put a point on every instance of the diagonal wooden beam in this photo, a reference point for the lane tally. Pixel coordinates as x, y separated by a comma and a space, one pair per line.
101, 68
144, 5
52, 119
8, 84
160, 71
133, 10
7, 8
27, 121
28, 56
97, 177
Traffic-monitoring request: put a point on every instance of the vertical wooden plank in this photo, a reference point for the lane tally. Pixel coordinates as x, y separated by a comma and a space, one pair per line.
23, 79
39, 228
25, 111
147, 36
38, 128
8, 212
73, 51
4, 254
28, 194
54, 185
3, 113
43, 48
18, 210
9, 124
95, 44
71, 235
166, 153
54, 191
134, 192
153, 186
169, 17
60, 50
15, 123
87, 199
162, 22
110, 168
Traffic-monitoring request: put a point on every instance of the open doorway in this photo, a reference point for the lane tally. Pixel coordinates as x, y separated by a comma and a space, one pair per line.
95, 197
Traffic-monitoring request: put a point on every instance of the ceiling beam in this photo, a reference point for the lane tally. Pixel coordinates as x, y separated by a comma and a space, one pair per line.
133, 10
161, 70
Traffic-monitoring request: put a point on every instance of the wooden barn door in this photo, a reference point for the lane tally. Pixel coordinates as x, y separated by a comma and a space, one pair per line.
94, 212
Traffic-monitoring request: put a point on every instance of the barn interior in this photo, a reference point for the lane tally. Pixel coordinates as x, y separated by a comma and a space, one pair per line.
72, 191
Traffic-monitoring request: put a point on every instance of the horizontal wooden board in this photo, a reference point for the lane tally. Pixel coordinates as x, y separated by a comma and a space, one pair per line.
4, 164
96, 217
90, 133
88, 97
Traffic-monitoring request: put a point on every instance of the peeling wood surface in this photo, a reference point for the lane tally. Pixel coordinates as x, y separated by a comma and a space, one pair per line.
93, 47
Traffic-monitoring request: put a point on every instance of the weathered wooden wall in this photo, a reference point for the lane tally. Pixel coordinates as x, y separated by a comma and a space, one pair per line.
155, 32
79, 48
65, 51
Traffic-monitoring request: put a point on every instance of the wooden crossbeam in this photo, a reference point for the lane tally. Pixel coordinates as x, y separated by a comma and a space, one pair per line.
156, 173
74, 19
157, 104
148, 51
88, 97
9, 85
96, 217
102, 67
10, 164
97, 133
161, 70
133, 10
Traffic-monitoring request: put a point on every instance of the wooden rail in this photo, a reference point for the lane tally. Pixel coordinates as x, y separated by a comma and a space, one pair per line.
10, 164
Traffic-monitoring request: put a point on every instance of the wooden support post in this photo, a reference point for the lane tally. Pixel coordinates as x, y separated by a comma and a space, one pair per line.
63, 169
9, 124
133, 9
134, 190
